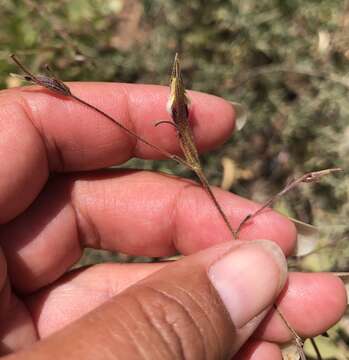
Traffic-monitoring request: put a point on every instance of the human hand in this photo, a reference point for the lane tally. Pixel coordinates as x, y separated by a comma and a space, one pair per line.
152, 310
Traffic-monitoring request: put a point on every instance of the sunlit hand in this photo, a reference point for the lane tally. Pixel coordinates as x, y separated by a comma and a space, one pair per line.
211, 304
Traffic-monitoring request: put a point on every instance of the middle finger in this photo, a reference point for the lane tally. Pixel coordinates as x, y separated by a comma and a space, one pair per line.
135, 212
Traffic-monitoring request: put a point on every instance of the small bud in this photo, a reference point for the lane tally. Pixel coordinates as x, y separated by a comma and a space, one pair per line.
49, 82
53, 84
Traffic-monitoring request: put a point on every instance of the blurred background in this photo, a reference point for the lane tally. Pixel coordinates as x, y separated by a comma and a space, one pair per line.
286, 61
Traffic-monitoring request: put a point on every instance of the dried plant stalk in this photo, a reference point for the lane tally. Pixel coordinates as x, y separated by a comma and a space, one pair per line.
55, 85
179, 111
297, 339
178, 106
306, 178
316, 349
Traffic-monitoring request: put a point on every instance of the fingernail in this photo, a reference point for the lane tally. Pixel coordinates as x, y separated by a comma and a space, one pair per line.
249, 278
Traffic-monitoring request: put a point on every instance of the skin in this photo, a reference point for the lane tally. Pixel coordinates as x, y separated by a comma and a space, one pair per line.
54, 202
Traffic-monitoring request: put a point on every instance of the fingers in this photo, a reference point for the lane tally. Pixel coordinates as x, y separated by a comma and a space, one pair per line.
24, 168
188, 309
16, 327
80, 292
41, 132
3, 271
312, 303
17, 330
139, 213
75, 132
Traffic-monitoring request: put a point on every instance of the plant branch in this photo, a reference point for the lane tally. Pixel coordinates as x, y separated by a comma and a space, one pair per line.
298, 340
178, 106
199, 173
316, 349
132, 133
54, 84
306, 178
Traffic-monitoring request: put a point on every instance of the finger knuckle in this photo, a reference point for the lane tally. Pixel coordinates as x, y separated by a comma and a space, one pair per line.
176, 321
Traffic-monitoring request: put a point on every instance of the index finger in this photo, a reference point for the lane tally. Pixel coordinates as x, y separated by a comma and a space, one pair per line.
41, 132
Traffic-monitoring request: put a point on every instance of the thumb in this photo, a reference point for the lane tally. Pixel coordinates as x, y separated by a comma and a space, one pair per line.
204, 306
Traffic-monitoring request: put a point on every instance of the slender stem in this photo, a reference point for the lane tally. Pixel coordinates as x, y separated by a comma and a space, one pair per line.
199, 173
317, 351
132, 133
25, 70
65, 91
297, 338
308, 177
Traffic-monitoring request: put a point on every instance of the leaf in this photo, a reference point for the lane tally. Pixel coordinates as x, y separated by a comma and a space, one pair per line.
308, 237
304, 228
229, 173
241, 115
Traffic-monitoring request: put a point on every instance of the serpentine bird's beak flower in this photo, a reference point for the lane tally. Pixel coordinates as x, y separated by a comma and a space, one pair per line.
177, 89
49, 82
178, 107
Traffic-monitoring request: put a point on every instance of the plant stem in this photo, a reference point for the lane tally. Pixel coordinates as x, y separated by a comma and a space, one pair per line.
132, 133
297, 338
307, 178
200, 174
316, 349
